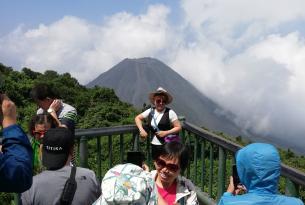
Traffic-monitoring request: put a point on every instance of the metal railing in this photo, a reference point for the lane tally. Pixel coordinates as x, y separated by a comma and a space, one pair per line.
210, 154
223, 151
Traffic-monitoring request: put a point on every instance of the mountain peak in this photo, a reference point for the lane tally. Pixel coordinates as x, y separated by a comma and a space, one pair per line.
140, 60
134, 79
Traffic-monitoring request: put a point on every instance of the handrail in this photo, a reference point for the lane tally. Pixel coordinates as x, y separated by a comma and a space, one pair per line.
293, 174
227, 144
289, 172
105, 131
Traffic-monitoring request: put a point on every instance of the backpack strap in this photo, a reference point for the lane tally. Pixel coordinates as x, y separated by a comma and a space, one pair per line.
152, 113
69, 189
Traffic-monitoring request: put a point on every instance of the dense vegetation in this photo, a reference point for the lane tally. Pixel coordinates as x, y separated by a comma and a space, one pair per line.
288, 157
96, 107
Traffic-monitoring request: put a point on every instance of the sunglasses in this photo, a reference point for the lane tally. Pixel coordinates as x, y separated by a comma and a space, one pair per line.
171, 167
39, 133
159, 101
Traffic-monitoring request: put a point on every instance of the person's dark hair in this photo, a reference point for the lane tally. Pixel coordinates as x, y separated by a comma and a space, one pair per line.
42, 91
178, 150
41, 119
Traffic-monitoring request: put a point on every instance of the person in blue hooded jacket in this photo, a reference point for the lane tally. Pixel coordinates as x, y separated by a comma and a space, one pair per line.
16, 152
258, 167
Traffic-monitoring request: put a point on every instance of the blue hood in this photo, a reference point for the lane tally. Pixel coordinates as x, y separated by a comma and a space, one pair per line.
259, 166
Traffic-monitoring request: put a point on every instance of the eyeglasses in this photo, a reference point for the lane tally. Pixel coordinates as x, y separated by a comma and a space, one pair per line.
39, 134
159, 101
171, 167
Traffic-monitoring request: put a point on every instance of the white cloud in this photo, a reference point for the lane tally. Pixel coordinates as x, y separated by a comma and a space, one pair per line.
264, 85
243, 20
85, 50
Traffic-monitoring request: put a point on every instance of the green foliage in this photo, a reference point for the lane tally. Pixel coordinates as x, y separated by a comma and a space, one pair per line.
97, 107
6, 198
288, 157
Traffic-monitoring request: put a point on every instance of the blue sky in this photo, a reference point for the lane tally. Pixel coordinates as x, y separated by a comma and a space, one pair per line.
34, 12
248, 56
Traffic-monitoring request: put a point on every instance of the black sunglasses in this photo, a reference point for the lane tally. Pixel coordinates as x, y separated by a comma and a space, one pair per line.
171, 167
39, 133
159, 101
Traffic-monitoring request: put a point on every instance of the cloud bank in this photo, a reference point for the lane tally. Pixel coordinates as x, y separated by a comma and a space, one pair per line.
85, 50
248, 56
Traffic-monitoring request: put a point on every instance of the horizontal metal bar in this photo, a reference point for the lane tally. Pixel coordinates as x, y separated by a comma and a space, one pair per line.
293, 174
227, 144
203, 198
105, 131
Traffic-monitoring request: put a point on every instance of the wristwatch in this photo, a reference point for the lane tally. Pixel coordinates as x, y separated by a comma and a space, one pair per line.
50, 110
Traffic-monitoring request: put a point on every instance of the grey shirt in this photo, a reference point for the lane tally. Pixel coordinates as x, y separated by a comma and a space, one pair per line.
48, 185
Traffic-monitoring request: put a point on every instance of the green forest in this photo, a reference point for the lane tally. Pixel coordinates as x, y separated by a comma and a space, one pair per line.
96, 107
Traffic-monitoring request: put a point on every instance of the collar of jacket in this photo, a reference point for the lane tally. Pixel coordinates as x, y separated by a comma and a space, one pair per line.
182, 186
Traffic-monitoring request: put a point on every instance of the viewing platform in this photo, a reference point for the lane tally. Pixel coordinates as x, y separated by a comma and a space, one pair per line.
209, 168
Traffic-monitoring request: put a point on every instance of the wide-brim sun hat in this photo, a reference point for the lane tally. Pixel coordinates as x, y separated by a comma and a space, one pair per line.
160, 91
127, 184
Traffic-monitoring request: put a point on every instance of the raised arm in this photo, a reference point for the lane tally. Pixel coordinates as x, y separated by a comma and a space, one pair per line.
16, 157
138, 120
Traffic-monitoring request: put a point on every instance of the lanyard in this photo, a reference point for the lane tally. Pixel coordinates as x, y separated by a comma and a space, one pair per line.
152, 112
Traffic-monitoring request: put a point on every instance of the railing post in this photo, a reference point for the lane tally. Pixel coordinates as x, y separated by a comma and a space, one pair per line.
110, 150
121, 148
83, 150
221, 172
211, 170
203, 167
77, 151
188, 143
135, 142
195, 158
183, 135
148, 148
99, 158
291, 189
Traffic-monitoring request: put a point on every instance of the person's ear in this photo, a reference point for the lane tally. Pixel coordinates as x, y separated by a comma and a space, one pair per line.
71, 150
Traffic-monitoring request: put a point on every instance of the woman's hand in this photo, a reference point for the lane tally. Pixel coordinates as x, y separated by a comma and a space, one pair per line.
145, 167
162, 133
143, 134
240, 188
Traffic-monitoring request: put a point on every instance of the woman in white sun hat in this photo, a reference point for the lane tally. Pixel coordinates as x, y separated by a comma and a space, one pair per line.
162, 121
